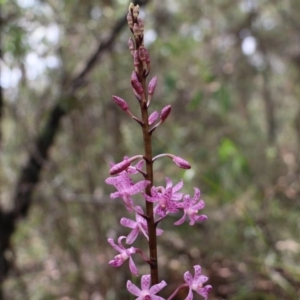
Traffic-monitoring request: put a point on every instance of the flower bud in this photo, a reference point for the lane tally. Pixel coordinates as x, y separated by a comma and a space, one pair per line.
153, 117
141, 25
152, 85
165, 112
131, 44
120, 102
136, 59
142, 53
131, 7
181, 163
118, 168
129, 20
138, 97
136, 84
147, 57
136, 11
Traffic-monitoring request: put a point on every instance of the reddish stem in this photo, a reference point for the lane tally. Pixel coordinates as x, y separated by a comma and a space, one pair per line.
177, 290
145, 258
149, 176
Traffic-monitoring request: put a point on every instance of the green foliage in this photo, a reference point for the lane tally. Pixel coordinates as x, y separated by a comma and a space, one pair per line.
196, 101
230, 155
222, 96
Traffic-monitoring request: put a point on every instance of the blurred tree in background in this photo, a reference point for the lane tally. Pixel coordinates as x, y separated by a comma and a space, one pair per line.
230, 69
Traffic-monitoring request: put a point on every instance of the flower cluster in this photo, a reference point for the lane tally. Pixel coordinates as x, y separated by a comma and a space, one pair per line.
160, 201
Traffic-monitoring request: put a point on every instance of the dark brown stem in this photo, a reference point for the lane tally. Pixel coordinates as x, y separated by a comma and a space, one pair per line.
149, 176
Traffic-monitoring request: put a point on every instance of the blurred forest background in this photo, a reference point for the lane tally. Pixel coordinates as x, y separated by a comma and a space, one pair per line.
229, 68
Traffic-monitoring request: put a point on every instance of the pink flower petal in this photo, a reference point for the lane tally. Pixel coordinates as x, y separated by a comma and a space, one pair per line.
199, 205
132, 235
145, 282
132, 267
133, 289
188, 278
178, 186
116, 247
190, 295
198, 271
181, 221
139, 187
157, 287
127, 223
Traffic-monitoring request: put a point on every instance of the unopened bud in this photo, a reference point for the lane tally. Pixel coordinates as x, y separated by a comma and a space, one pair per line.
120, 102
181, 163
131, 7
141, 25
165, 112
142, 53
153, 117
136, 84
152, 85
129, 20
131, 45
136, 11
136, 59
147, 56
118, 168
